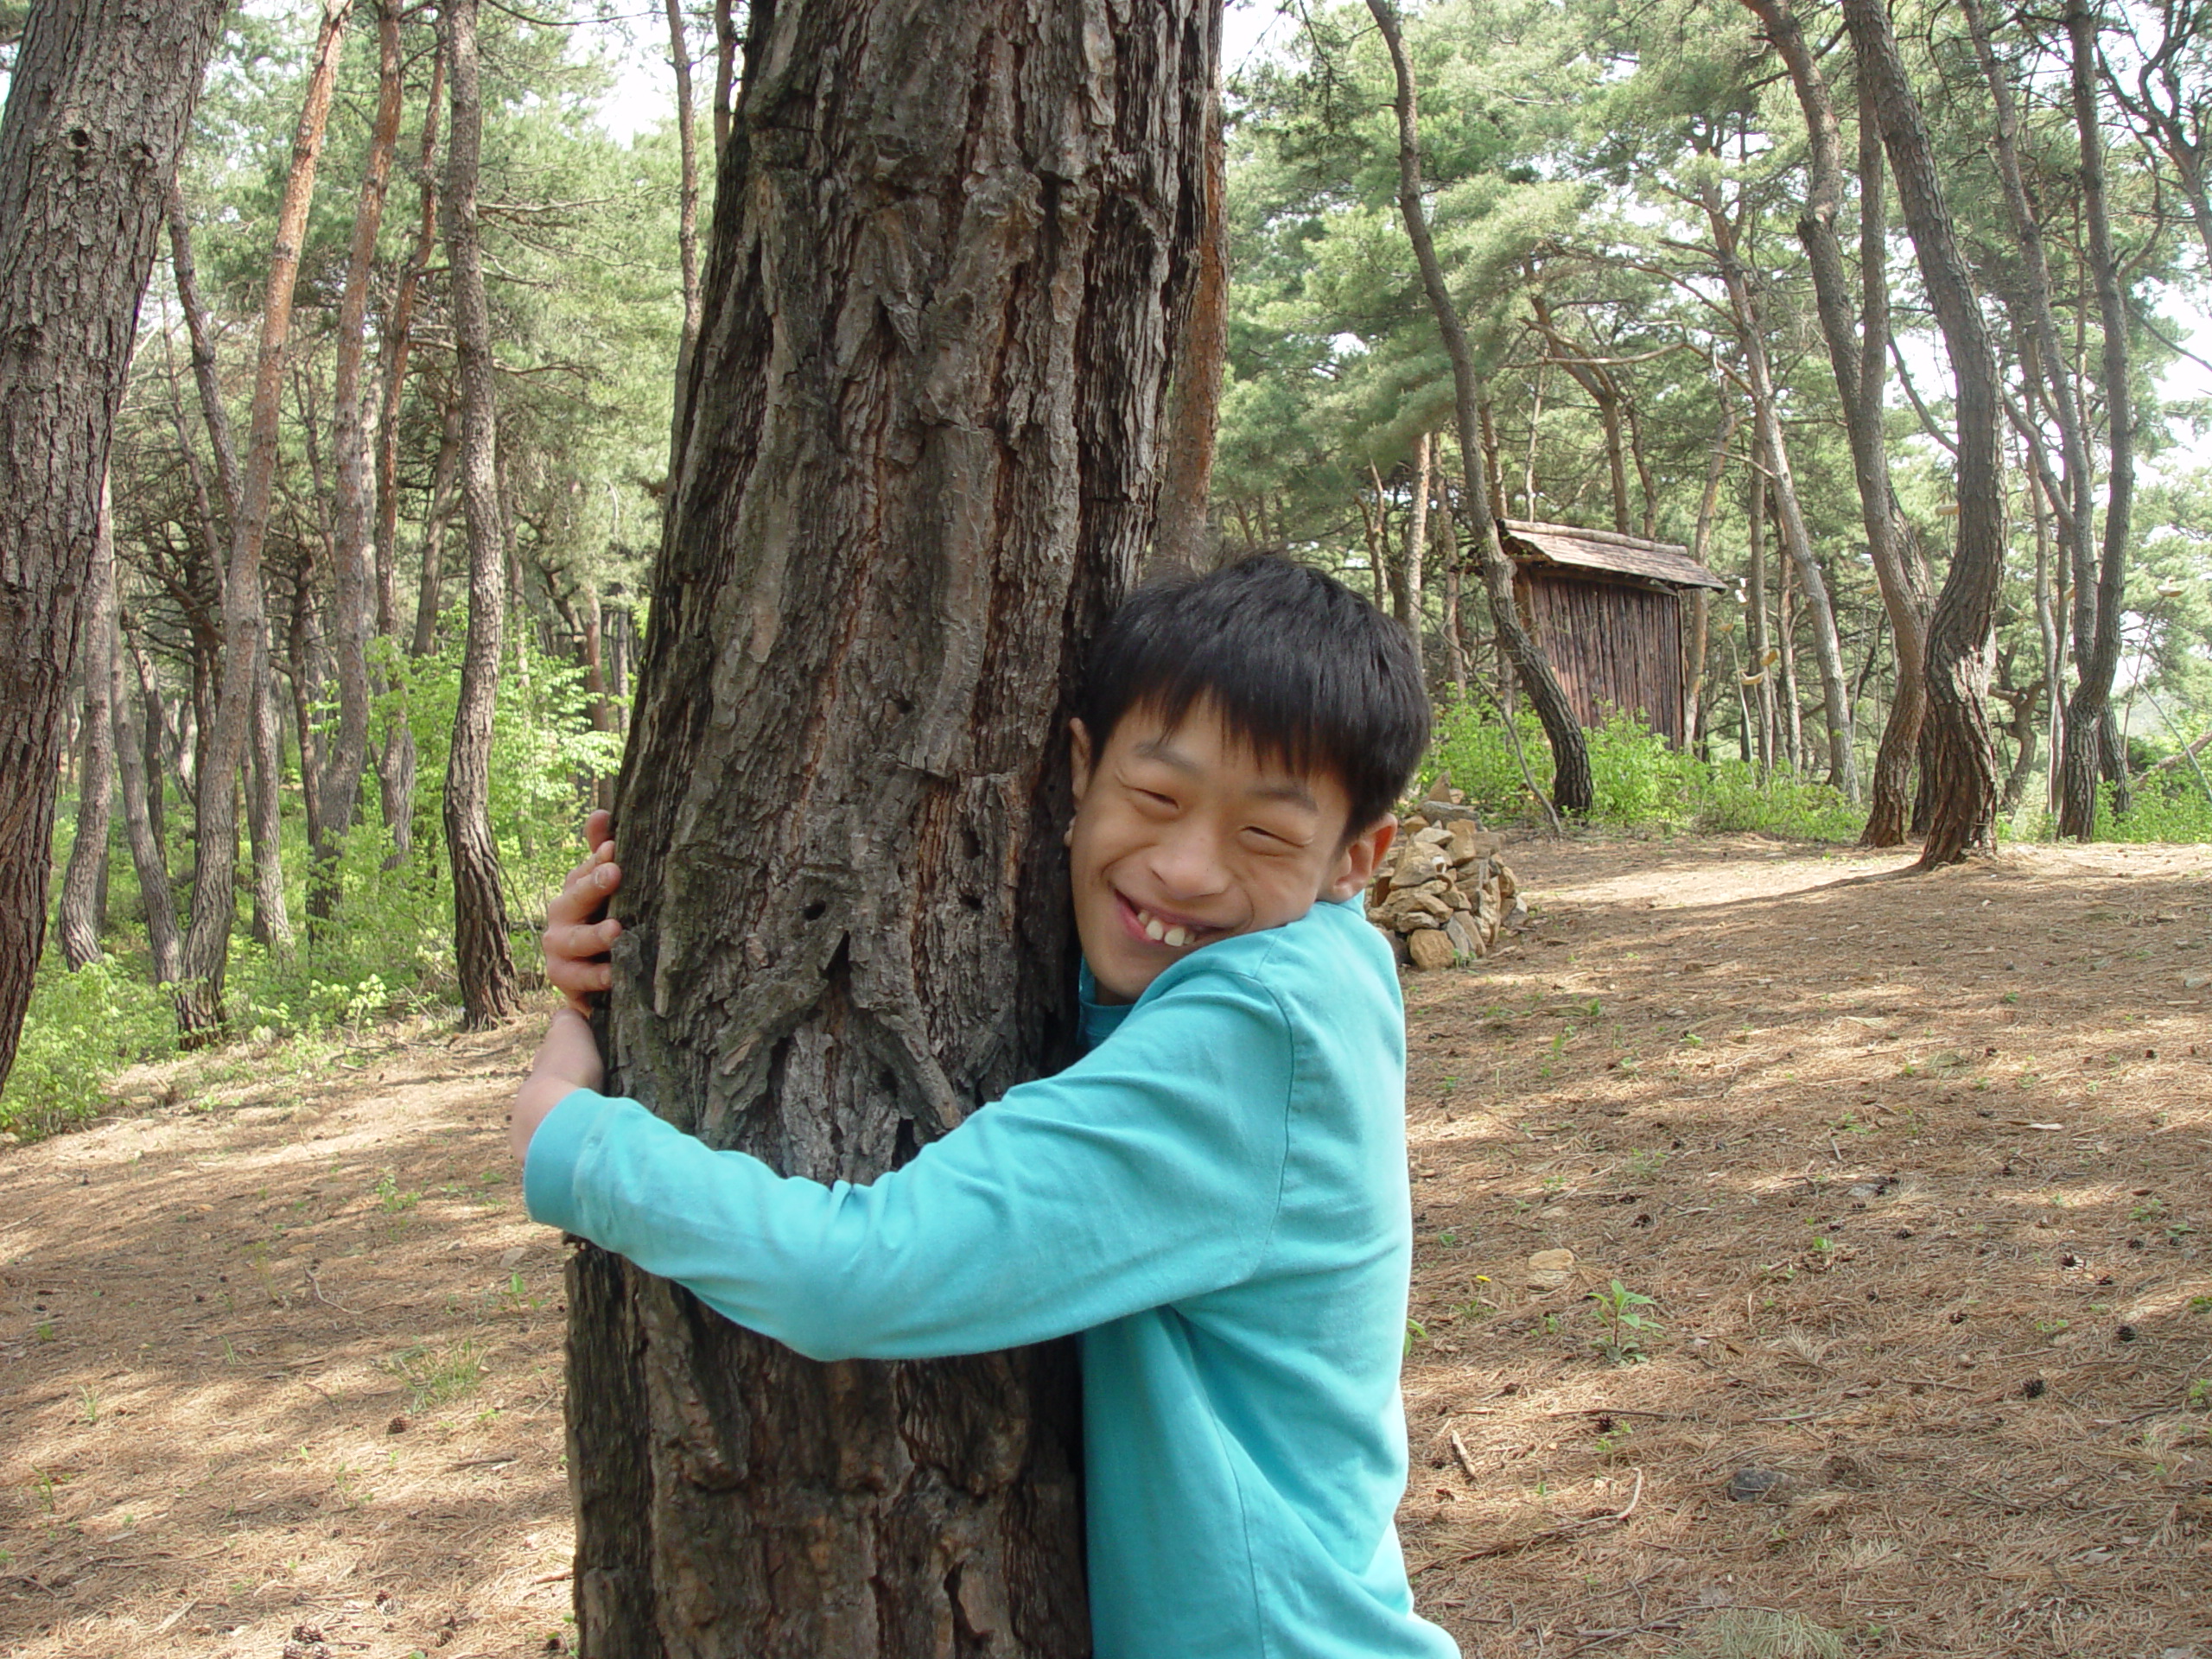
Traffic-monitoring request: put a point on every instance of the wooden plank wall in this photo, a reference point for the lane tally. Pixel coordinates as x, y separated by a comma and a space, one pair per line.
1613, 647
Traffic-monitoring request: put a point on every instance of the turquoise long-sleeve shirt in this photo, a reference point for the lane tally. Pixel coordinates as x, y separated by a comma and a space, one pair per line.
1214, 1196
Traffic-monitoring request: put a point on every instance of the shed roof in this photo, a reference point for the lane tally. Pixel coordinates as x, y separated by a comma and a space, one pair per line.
1606, 551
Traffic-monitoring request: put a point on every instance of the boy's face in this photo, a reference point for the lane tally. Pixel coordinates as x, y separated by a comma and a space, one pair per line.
1183, 836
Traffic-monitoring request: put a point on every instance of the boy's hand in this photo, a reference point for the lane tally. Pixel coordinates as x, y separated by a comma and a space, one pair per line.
567, 1060
575, 945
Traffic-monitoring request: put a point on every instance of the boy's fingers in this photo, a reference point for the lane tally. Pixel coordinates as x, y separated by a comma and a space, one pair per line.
598, 827
577, 941
586, 888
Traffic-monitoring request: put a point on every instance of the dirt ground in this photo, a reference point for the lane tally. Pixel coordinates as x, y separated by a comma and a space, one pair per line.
1911, 1169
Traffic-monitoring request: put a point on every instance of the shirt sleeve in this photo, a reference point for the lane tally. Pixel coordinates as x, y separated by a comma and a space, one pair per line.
1149, 1171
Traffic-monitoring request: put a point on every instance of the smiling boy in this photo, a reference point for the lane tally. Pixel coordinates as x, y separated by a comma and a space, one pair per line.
1214, 1197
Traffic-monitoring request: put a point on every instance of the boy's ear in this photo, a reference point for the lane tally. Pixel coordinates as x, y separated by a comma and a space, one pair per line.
1363, 855
1078, 758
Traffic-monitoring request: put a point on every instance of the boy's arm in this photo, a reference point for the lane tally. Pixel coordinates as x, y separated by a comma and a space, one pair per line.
1149, 1171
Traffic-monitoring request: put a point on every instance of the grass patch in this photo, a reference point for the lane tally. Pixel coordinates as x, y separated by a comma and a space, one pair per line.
437, 1377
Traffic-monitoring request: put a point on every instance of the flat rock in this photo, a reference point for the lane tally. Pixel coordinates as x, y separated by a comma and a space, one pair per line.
1448, 812
1462, 941
1430, 950
1752, 1485
1550, 1270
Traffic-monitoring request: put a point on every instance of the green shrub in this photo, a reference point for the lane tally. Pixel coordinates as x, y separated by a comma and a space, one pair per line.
1637, 781
2168, 806
81, 1030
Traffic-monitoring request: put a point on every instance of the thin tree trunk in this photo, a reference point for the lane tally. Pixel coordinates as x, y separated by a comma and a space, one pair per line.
302, 658
1796, 539
1963, 812
727, 50
212, 408
916, 591
2047, 363
1763, 656
140, 824
687, 207
1855, 348
271, 924
2088, 742
1699, 644
84, 884
347, 757
1785, 639
153, 728
1571, 787
445, 496
2052, 637
395, 759
207, 939
489, 989
1416, 548
99, 102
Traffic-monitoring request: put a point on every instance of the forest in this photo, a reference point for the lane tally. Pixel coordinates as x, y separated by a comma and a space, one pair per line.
425, 423
1693, 311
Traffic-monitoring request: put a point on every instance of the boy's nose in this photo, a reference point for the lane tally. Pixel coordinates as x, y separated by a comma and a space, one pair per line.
1189, 864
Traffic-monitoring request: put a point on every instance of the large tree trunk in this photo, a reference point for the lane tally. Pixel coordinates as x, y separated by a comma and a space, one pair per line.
1573, 789
489, 989
207, 939
84, 885
347, 757
99, 102
920, 469
2090, 743
1963, 812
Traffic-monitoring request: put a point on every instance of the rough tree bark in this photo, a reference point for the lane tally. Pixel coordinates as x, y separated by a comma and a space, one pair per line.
346, 757
1963, 760
2090, 741
489, 989
1183, 538
953, 249
84, 885
1572, 788
99, 101
207, 938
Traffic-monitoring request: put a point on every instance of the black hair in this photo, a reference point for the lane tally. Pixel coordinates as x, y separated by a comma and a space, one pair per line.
1299, 666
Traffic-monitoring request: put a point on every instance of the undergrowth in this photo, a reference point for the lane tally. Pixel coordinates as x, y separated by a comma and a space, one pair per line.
387, 951
1638, 780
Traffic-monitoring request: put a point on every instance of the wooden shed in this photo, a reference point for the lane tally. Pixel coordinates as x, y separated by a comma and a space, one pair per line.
1607, 609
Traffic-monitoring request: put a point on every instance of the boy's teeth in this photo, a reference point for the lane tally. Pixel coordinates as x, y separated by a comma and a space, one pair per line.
1178, 937
1153, 929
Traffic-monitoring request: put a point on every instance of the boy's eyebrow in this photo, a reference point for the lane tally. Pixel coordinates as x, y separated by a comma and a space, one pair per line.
1162, 749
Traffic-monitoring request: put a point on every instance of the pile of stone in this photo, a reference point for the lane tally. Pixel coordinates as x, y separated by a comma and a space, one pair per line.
1443, 894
